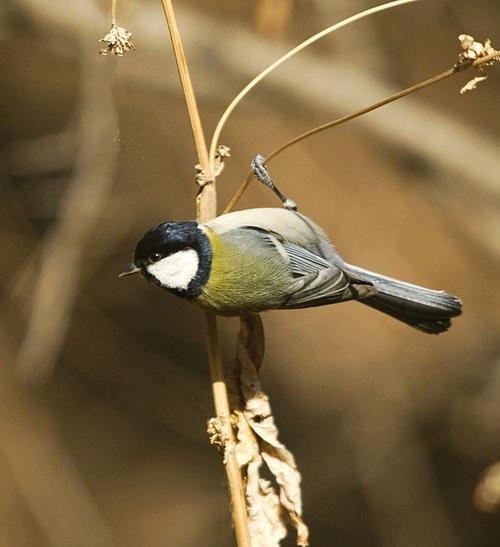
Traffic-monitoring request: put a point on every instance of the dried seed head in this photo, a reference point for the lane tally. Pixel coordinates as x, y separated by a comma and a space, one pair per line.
117, 41
474, 51
203, 178
219, 434
222, 152
470, 48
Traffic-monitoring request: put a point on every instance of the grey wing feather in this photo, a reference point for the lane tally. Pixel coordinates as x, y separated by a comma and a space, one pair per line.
316, 289
303, 261
317, 281
314, 281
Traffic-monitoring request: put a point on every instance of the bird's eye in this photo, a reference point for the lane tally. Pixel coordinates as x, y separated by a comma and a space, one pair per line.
155, 257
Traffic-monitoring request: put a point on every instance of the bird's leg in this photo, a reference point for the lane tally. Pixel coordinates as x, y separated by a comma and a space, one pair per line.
262, 175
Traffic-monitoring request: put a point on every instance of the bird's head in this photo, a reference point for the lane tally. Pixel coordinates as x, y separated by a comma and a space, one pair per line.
176, 256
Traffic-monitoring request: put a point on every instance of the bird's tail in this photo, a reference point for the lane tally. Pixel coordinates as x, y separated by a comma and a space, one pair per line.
424, 309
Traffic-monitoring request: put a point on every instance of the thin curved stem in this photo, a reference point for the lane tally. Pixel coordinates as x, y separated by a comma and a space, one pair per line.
237, 196
339, 121
113, 11
358, 113
281, 60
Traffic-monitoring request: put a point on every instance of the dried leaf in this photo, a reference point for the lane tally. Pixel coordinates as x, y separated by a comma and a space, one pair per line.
472, 84
265, 515
258, 442
282, 465
246, 445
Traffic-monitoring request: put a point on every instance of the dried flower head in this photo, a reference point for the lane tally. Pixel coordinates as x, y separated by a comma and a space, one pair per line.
202, 177
117, 41
217, 430
474, 51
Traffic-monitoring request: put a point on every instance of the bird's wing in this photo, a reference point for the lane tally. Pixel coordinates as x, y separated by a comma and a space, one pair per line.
303, 261
287, 225
317, 282
314, 280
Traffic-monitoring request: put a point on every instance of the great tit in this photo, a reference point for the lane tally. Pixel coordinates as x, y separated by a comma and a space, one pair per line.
269, 258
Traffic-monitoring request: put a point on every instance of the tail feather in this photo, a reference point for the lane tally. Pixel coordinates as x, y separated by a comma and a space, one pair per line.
424, 309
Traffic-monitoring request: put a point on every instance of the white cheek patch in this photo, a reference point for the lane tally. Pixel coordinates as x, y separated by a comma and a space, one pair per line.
177, 270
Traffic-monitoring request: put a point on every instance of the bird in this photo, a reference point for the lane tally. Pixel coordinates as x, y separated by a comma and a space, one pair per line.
260, 259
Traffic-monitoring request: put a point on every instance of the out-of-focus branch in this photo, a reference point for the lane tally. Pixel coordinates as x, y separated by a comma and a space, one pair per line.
339, 85
42, 155
57, 277
43, 470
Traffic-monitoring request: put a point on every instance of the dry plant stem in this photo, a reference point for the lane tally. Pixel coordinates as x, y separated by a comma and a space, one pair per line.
206, 208
198, 135
113, 11
223, 411
206, 201
281, 60
339, 121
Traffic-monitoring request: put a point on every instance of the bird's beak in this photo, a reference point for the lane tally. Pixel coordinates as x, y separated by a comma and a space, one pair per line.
132, 269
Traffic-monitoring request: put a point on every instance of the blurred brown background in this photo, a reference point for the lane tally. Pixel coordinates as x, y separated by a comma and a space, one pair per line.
104, 390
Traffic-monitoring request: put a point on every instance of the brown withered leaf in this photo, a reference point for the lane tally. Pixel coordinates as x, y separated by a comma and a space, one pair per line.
265, 518
265, 513
258, 443
472, 84
246, 443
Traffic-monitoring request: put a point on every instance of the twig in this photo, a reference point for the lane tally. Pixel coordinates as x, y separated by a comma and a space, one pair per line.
444, 142
281, 60
383, 102
113, 11
339, 121
206, 206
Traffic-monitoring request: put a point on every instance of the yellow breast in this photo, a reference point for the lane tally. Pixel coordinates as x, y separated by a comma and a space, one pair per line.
245, 275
